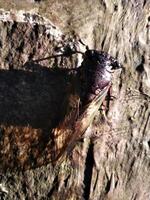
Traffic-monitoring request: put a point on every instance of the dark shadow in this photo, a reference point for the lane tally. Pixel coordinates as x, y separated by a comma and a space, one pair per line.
140, 67
88, 172
33, 100
33, 96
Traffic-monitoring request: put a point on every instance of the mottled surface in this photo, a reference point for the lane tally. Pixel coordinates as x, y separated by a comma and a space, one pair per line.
116, 164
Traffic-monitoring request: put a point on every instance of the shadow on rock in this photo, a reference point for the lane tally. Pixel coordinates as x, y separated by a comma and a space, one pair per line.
32, 102
34, 97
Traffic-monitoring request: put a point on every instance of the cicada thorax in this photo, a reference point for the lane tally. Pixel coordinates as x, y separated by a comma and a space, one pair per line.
94, 78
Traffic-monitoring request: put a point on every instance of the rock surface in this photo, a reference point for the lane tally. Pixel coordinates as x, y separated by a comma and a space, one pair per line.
115, 163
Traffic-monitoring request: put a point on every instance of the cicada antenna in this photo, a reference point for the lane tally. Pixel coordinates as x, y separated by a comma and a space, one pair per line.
67, 53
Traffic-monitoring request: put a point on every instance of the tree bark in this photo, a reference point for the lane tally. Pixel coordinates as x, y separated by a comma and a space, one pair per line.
114, 163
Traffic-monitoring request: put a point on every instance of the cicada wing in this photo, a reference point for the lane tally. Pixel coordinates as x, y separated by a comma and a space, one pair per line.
78, 126
63, 133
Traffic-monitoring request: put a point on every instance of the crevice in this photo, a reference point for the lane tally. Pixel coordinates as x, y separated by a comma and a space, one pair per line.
102, 45
21, 47
103, 4
108, 185
1, 44
66, 180
125, 58
116, 183
36, 30
88, 172
37, 1
148, 143
55, 187
146, 96
140, 67
95, 184
13, 28
144, 3
115, 7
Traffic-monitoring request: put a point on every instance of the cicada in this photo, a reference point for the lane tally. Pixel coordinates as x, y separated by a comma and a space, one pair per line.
44, 114
93, 81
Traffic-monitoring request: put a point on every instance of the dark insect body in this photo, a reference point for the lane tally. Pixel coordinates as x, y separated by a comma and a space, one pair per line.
94, 79
96, 70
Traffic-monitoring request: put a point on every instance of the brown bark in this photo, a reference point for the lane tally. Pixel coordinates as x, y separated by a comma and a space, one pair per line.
114, 163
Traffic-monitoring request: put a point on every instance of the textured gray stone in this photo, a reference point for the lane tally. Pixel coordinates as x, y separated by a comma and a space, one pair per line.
115, 163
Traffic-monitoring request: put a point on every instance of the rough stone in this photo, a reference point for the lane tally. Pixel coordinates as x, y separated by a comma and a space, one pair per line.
115, 163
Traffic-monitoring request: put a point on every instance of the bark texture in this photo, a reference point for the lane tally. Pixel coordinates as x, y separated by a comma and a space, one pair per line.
115, 163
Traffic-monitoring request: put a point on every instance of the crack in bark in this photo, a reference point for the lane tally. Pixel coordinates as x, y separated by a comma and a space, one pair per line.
88, 172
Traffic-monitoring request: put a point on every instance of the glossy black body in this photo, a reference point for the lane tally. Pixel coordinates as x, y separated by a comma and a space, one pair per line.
95, 72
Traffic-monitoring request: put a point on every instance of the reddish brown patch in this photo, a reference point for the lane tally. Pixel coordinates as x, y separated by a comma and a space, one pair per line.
21, 147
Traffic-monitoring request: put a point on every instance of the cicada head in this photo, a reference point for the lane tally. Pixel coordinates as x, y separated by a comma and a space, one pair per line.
102, 59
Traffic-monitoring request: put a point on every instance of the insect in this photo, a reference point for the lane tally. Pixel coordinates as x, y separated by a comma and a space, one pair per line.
74, 96
92, 81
